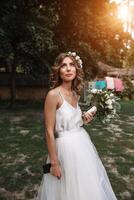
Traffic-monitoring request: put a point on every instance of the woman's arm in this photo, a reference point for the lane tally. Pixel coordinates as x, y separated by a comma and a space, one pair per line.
49, 115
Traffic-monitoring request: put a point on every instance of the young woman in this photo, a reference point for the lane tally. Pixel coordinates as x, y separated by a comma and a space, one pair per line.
76, 172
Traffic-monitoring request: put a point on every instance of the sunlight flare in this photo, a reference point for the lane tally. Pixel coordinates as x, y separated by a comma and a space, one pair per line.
123, 12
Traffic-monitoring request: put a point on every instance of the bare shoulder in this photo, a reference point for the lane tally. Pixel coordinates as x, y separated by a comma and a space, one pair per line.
51, 93
52, 96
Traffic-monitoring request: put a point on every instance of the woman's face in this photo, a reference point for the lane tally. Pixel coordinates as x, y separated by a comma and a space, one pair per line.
67, 69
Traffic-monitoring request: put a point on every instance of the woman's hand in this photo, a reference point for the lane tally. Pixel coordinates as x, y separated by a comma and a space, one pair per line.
55, 170
87, 117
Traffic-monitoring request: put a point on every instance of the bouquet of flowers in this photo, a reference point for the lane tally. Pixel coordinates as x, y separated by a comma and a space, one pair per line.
105, 102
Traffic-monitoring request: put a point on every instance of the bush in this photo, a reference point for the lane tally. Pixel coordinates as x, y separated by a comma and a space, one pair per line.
128, 88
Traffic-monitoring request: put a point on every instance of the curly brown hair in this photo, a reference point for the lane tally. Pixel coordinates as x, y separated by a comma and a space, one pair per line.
55, 79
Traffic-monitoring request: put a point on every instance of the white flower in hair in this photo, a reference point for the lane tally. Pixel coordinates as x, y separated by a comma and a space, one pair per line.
80, 62
76, 57
73, 54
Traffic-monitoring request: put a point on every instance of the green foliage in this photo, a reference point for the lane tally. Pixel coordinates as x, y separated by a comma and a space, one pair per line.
26, 35
92, 30
130, 55
128, 88
32, 33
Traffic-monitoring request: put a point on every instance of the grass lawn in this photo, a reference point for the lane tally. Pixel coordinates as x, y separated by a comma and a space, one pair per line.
23, 149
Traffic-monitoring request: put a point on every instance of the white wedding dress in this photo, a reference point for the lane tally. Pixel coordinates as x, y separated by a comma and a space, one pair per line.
83, 174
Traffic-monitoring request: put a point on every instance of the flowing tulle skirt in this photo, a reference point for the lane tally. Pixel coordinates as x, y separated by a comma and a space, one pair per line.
83, 174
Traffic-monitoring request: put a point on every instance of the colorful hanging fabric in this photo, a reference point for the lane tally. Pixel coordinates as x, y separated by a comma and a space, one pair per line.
110, 83
100, 85
91, 85
118, 85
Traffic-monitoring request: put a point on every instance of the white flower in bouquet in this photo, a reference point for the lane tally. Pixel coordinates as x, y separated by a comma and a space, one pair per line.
110, 106
111, 95
109, 116
106, 96
106, 103
99, 91
94, 91
109, 102
113, 100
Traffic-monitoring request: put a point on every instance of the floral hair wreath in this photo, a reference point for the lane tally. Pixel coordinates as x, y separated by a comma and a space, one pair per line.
76, 57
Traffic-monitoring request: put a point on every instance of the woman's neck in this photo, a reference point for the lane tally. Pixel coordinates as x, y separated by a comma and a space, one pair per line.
67, 87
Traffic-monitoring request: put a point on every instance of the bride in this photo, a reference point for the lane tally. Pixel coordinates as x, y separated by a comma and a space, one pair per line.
76, 172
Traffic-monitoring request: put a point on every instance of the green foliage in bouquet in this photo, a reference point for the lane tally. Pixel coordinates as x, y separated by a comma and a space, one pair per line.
106, 103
